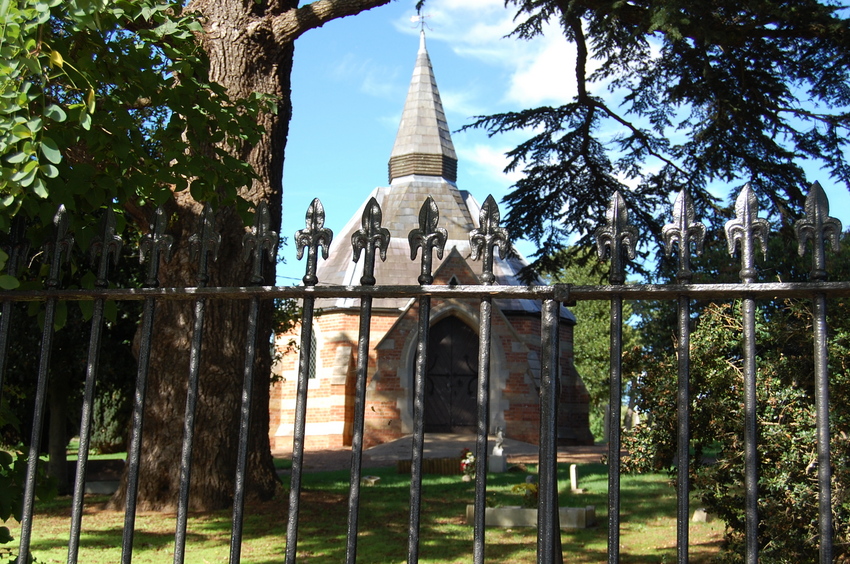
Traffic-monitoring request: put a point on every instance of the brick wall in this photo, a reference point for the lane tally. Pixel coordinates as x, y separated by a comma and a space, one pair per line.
515, 354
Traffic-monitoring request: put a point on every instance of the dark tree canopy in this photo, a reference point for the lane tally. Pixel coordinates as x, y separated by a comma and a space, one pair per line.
721, 92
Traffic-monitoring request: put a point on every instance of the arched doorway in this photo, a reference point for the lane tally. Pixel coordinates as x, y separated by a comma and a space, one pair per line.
451, 378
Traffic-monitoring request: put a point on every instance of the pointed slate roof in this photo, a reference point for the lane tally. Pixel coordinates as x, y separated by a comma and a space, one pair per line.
423, 144
423, 163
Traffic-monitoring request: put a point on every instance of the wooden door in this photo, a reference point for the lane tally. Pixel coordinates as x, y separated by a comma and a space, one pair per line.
451, 378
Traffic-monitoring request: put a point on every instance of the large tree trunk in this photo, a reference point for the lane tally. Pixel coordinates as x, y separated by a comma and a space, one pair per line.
250, 47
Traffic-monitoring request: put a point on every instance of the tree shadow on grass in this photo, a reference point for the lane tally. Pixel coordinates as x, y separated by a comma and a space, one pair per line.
383, 522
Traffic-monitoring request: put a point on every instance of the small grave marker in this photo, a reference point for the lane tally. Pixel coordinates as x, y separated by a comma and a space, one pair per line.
369, 480
574, 479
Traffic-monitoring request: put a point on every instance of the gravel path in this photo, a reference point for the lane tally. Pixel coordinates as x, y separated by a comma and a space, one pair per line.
340, 458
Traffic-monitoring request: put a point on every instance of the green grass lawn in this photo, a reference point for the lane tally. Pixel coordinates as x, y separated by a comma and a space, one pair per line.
647, 532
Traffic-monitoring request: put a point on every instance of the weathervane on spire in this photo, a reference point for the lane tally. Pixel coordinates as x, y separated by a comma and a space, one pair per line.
419, 21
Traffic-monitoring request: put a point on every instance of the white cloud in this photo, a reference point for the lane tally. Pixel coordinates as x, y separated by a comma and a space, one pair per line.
467, 21
546, 73
488, 160
373, 78
538, 71
462, 102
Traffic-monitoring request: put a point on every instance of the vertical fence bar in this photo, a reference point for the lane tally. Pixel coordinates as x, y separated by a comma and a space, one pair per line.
548, 527
748, 308
684, 231
818, 226
236, 528
418, 445
55, 251
158, 244
357, 435
618, 238
134, 450
745, 228
312, 237
427, 237
85, 432
18, 248
35, 438
614, 414
369, 237
188, 433
260, 239
683, 433
822, 424
482, 428
482, 242
300, 425
202, 243
108, 244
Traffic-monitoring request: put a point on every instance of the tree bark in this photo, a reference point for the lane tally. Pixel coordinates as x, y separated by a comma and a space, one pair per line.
250, 48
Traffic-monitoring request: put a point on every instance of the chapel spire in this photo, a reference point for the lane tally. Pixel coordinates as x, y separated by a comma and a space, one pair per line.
423, 144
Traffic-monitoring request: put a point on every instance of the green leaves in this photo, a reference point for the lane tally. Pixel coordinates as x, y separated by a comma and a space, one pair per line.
105, 100
55, 113
23, 80
50, 150
785, 408
6, 282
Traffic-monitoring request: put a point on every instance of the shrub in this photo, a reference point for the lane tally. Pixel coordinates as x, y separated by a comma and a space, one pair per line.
110, 418
787, 451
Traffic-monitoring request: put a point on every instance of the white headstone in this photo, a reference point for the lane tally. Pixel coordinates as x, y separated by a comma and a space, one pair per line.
701, 516
497, 463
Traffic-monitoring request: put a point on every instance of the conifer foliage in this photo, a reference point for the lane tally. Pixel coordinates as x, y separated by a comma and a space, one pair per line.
695, 93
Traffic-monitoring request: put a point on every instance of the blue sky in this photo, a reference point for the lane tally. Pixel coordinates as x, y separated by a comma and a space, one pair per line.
349, 83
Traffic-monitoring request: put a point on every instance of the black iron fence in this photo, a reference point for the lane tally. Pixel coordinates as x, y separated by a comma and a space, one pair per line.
746, 233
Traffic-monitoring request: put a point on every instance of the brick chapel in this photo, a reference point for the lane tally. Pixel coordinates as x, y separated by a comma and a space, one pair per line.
422, 163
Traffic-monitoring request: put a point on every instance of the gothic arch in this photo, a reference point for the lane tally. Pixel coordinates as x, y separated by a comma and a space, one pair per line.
407, 368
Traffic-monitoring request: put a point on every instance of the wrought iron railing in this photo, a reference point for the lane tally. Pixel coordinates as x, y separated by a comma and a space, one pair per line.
616, 239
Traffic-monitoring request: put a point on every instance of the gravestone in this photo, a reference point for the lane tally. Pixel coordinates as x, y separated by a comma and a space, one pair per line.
574, 479
498, 462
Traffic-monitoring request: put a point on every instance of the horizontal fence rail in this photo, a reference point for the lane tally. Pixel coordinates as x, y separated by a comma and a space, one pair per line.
616, 241
564, 293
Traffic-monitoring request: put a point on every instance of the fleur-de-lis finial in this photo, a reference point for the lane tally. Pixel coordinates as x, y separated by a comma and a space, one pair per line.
368, 237
427, 237
617, 237
260, 238
684, 230
745, 228
817, 226
203, 242
156, 242
58, 250
487, 236
313, 236
106, 244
